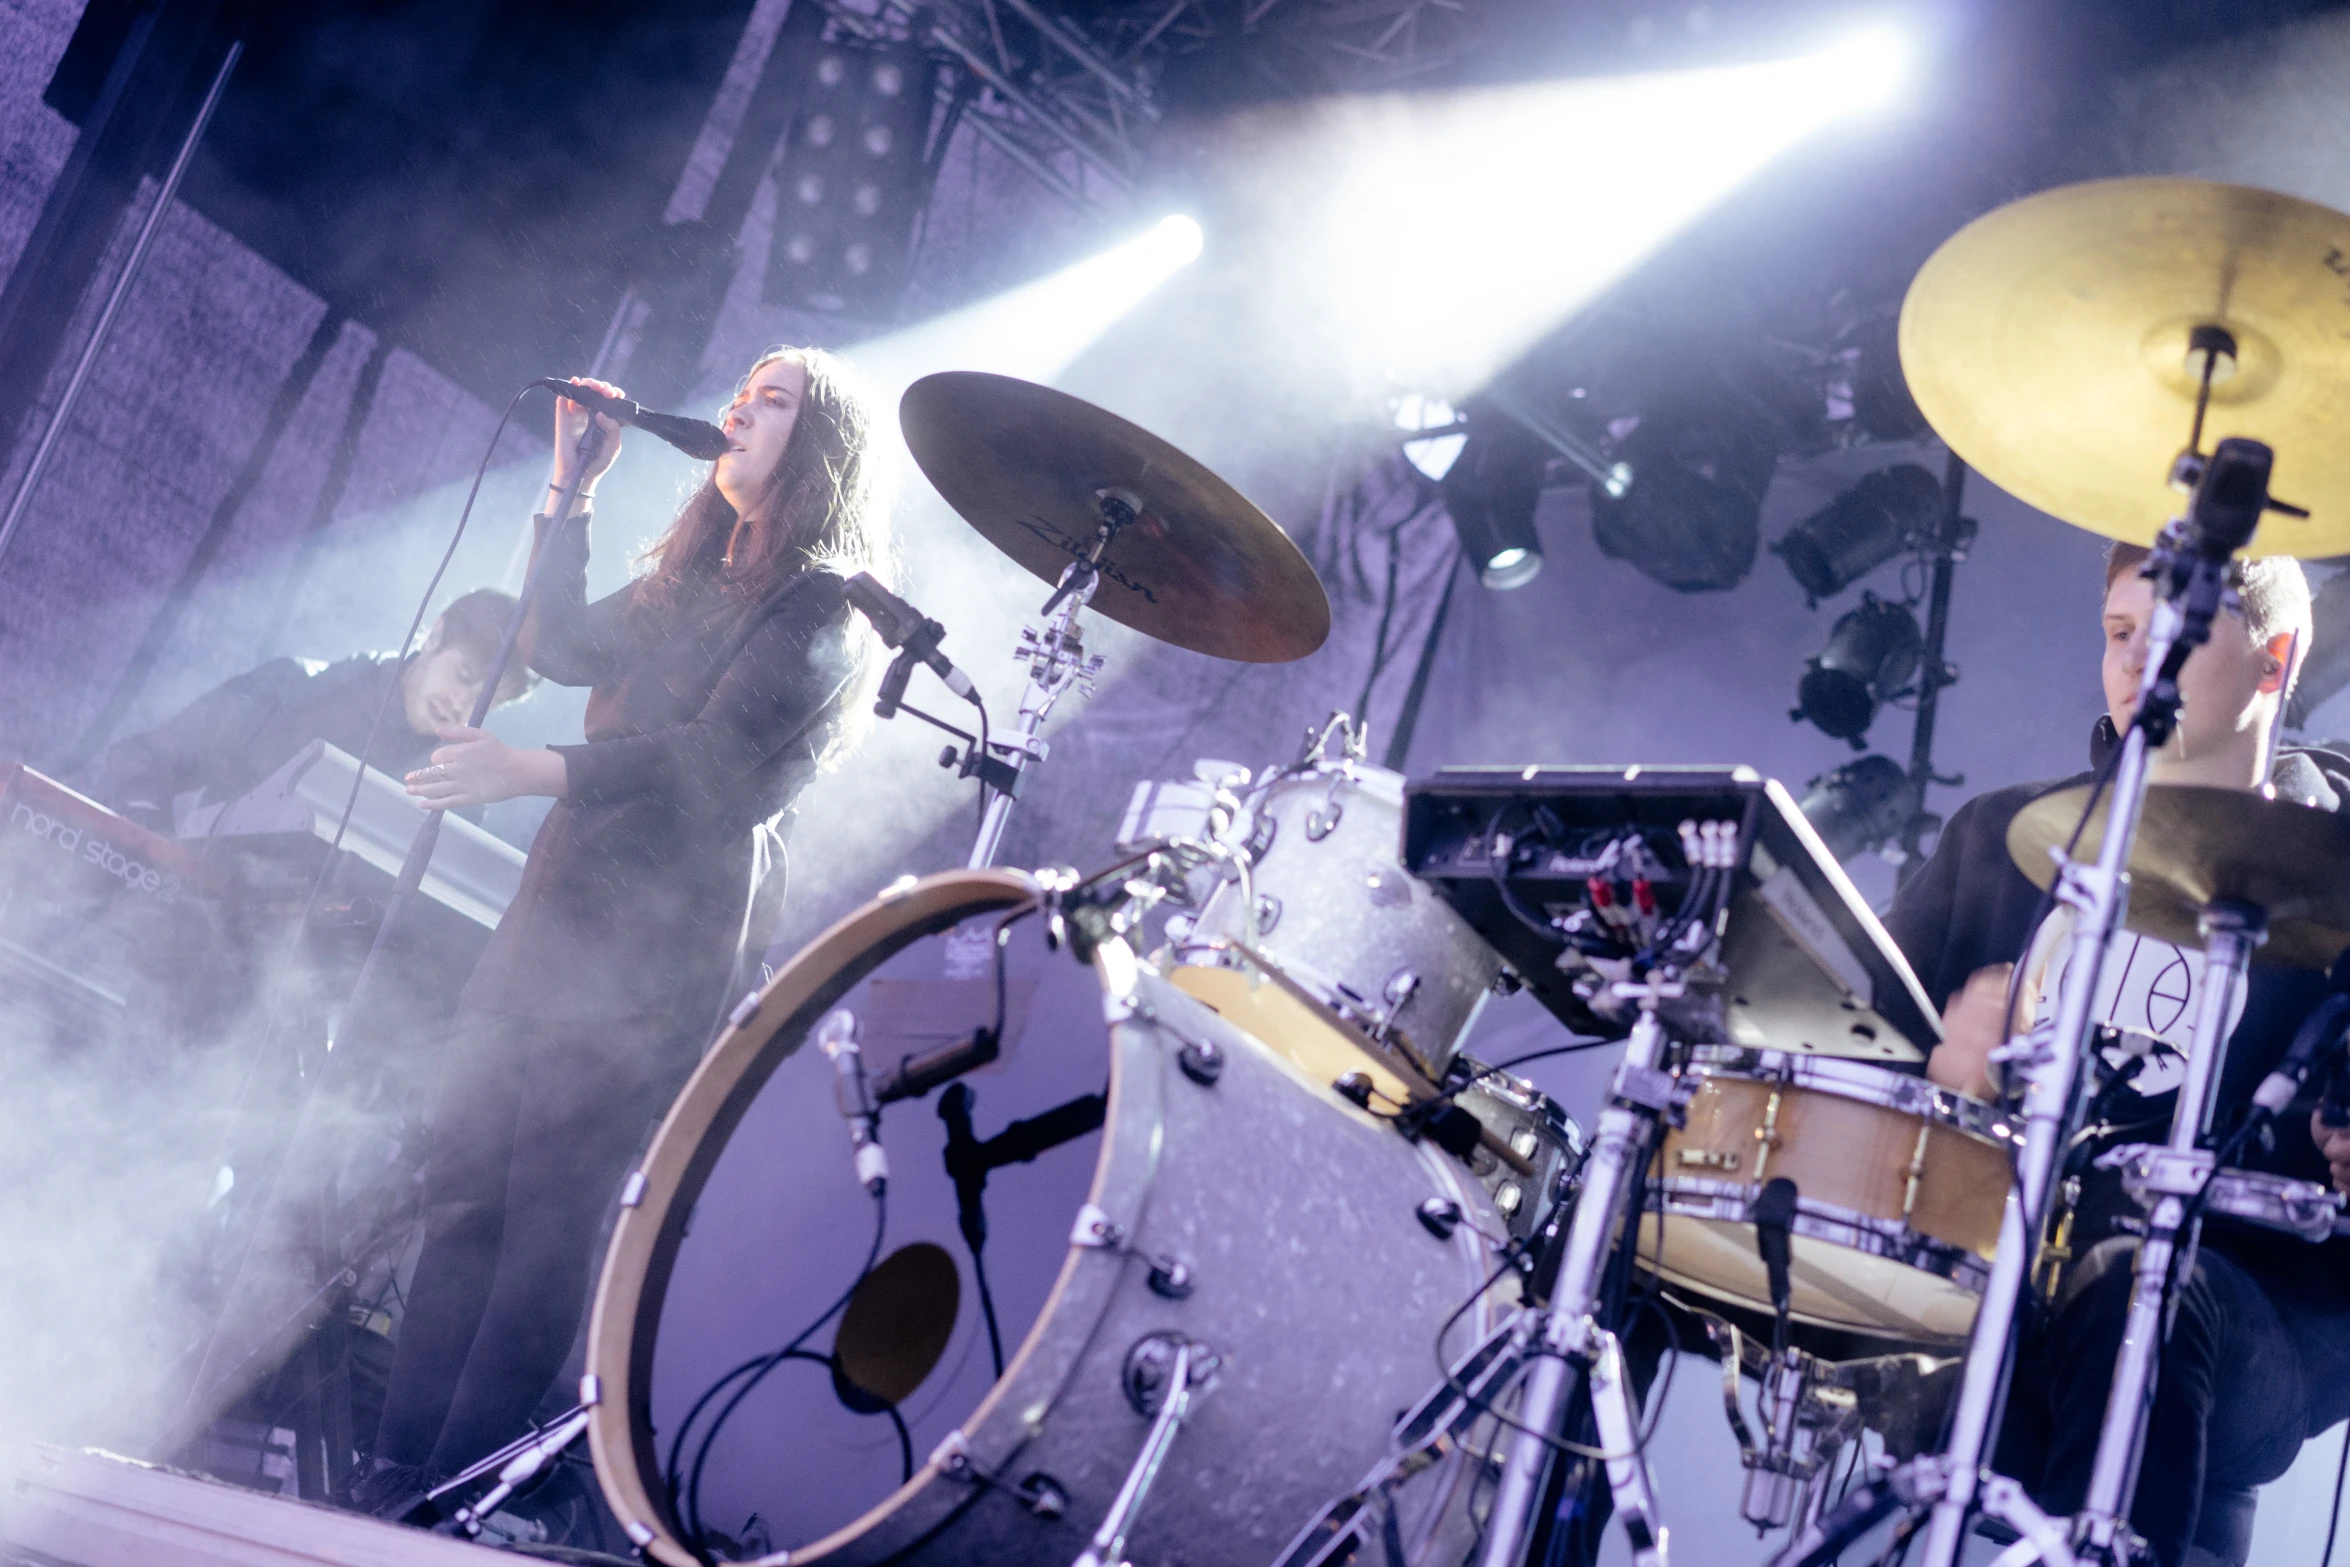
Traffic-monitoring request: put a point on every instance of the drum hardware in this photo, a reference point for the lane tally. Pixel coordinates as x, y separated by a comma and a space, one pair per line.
1548, 865
1164, 1373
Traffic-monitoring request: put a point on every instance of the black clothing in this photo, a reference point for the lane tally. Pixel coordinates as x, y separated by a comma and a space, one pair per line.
2270, 1308
2230, 1411
703, 726
237, 734
533, 1127
589, 1009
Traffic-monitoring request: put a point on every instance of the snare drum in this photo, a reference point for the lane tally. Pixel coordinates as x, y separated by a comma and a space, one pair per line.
1225, 1200
1337, 914
1900, 1188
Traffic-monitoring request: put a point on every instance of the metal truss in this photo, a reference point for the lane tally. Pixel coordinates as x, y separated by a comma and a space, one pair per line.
1074, 103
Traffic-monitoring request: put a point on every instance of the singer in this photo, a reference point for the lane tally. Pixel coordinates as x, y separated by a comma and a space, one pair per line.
722, 681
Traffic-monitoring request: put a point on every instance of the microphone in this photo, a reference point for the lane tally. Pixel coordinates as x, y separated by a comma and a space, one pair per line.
837, 1037
2320, 1033
1773, 1218
902, 625
697, 438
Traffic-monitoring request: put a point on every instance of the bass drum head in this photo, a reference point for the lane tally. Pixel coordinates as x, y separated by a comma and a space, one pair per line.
1225, 1200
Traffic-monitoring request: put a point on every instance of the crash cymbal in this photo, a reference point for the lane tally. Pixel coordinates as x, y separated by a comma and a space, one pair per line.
1199, 567
2195, 844
2047, 343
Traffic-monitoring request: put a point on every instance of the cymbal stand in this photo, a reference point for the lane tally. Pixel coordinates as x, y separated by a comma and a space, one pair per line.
2189, 565
2168, 1178
1054, 650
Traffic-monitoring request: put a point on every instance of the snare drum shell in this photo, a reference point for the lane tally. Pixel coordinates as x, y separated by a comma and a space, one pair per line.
1900, 1191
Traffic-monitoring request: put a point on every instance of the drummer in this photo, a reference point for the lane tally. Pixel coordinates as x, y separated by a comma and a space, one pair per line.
2259, 1358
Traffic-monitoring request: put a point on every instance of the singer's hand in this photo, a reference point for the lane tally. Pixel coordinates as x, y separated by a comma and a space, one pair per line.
2334, 1143
570, 420
475, 767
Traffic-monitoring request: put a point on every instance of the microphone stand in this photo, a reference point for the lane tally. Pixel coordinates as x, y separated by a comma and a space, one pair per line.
411, 879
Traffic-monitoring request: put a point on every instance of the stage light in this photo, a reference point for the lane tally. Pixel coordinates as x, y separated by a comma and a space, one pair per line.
1872, 651
1446, 233
1892, 510
1491, 491
1860, 806
1440, 432
852, 178
1684, 502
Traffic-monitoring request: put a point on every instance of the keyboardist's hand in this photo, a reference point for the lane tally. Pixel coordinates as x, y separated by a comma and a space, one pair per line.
2334, 1143
475, 767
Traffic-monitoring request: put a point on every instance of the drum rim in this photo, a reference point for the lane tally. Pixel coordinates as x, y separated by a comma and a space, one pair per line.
1903, 1092
729, 1076
1887, 1240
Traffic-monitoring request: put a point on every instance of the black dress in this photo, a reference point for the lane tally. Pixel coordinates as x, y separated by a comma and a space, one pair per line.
590, 1006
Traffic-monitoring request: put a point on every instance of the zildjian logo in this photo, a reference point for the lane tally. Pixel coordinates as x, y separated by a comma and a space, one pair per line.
1077, 548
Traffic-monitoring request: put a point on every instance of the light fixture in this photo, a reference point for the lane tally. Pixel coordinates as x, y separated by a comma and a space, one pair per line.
1890, 511
1872, 651
1860, 806
1683, 501
1491, 490
1435, 433
852, 178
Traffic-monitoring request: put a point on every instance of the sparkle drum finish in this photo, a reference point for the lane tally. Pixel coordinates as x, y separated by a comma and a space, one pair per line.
1227, 1203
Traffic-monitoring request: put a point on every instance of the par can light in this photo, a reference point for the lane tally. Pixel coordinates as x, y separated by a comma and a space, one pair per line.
1491, 491
1872, 651
1862, 805
1890, 511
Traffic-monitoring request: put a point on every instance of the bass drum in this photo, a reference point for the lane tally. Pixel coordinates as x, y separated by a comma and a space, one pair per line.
1226, 1201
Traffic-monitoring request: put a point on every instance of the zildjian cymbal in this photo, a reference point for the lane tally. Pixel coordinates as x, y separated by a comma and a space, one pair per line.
1199, 566
2196, 844
2047, 343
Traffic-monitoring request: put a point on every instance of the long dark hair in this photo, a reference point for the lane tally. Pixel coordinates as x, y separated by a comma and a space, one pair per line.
819, 508
822, 508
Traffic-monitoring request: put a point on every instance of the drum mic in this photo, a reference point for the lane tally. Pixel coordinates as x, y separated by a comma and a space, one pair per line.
2321, 1033
901, 625
1773, 1218
697, 438
836, 1036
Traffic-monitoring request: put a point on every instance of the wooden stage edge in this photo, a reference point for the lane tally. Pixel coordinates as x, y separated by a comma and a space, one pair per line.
93, 1509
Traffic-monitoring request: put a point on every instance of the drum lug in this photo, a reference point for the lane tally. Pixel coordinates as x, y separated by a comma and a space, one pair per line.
1322, 820
1260, 836
1096, 1229
1401, 986
1171, 1278
1202, 1061
1440, 1216
1150, 1361
1043, 1495
1268, 913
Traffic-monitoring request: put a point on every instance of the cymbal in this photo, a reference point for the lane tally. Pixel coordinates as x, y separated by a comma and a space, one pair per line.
2195, 844
1200, 566
2046, 342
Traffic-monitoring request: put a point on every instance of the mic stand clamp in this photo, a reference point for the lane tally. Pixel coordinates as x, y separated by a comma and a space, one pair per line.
1054, 651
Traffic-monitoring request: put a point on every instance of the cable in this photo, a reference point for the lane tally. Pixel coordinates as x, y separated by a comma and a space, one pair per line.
2334, 1518
756, 1370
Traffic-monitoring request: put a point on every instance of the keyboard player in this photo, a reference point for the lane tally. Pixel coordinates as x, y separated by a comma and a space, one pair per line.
226, 741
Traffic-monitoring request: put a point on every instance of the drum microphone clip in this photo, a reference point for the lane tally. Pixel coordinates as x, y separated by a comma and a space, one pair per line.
836, 1036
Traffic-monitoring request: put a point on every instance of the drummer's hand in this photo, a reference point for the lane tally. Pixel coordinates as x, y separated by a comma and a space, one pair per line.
570, 420
475, 767
2334, 1143
1972, 1022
